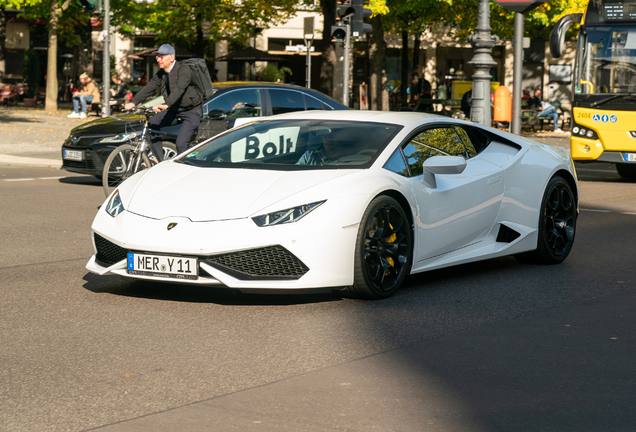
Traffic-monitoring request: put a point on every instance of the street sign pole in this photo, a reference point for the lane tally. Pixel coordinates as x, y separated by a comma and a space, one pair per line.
345, 72
106, 66
309, 29
519, 7
517, 78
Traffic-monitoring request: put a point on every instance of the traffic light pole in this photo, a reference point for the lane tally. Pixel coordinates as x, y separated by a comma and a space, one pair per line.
345, 72
106, 66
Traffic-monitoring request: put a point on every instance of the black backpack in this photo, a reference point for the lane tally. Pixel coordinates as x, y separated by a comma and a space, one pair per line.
200, 76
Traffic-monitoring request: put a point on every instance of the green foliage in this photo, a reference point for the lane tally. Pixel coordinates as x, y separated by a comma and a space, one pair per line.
196, 24
271, 73
538, 23
31, 72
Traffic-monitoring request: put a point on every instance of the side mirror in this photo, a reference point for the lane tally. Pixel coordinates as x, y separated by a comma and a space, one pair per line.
216, 114
441, 165
557, 36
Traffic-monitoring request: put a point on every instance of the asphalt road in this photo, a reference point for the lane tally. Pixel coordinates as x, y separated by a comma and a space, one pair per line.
491, 346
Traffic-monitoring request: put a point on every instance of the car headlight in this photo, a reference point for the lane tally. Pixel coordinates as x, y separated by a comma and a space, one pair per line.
127, 136
285, 216
114, 206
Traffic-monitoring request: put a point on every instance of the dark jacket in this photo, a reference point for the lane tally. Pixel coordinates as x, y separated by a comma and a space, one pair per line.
180, 94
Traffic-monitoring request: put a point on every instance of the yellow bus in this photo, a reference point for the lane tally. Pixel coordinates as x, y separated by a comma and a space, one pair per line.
604, 83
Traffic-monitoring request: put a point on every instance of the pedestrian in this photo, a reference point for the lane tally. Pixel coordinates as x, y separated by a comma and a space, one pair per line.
182, 100
547, 110
118, 93
87, 94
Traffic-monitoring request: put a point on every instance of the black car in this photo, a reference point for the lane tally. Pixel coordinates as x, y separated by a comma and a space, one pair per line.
233, 103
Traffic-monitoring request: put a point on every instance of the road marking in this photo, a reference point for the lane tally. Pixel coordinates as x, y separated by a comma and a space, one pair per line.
29, 179
597, 210
628, 213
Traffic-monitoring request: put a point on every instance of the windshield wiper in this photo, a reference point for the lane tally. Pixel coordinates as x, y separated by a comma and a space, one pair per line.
611, 98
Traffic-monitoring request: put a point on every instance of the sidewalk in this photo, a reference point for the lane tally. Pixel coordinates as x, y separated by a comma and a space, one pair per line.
34, 137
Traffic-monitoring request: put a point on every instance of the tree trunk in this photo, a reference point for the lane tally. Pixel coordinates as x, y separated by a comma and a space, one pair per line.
3, 32
199, 45
51, 67
327, 48
416, 55
377, 55
405, 67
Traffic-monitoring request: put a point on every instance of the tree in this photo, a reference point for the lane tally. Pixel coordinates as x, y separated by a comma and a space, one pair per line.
198, 24
538, 23
412, 17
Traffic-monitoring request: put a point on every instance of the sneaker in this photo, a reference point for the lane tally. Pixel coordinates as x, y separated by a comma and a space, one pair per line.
73, 115
559, 131
83, 116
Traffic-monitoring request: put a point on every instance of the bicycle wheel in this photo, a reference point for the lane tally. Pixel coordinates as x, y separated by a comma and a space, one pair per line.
118, 167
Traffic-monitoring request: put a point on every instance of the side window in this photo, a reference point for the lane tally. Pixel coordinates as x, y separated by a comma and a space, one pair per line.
396, 164
432, 142
312, 103
470, 149
284, 101
238, 103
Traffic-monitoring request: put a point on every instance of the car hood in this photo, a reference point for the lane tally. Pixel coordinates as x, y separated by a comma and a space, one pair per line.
211, 194
109, 125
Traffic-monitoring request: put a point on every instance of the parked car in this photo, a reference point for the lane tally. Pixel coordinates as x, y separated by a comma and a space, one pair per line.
233, 103
353, 200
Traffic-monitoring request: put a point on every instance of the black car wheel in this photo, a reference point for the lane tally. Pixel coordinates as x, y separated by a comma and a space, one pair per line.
383, 250
557, 225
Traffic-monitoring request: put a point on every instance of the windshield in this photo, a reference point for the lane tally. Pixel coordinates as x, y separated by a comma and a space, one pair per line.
296, 145
607, 60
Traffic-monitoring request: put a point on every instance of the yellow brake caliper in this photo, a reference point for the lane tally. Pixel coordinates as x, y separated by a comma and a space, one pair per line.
389, 259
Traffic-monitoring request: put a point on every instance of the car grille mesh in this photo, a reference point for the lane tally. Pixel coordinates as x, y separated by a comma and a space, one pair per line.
108, 253
271, 262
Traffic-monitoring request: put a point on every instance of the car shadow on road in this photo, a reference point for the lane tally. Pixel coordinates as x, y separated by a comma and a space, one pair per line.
199, 294
87, 180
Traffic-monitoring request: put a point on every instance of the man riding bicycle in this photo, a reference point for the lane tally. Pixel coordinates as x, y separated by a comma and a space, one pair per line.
181, 97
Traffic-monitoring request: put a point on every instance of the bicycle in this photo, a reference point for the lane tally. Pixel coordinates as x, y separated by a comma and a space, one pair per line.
128, 159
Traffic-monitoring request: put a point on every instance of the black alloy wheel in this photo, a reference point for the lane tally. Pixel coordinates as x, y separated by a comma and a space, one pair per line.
383, 250
557, 225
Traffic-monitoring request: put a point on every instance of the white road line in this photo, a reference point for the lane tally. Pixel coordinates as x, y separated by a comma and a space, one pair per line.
49, 178
629, 213
596, 210
22, 179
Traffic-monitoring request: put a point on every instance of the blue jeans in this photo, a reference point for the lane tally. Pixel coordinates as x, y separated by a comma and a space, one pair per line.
550, 112
84, 100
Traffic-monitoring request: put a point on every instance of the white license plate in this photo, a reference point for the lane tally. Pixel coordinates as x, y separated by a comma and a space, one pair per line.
630, 157
162, 266
73, 155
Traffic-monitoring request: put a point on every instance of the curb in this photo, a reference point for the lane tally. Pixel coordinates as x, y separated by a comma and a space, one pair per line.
18, 160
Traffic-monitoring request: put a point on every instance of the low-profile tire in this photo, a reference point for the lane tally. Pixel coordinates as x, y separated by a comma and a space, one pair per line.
115, 167
627, 171
557, 225
384, 250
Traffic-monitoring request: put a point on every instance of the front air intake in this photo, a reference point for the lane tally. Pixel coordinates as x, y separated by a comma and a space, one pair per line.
267, 263
108, 253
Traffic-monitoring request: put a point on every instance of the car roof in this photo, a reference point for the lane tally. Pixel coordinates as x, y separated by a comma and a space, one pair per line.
394, 117
230, 85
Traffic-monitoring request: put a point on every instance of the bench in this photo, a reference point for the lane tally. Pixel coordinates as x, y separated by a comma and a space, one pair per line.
530, 118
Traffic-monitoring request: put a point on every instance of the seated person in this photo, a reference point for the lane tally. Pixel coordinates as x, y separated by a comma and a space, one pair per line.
332, 149
525, 99
118, 94
87, 94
